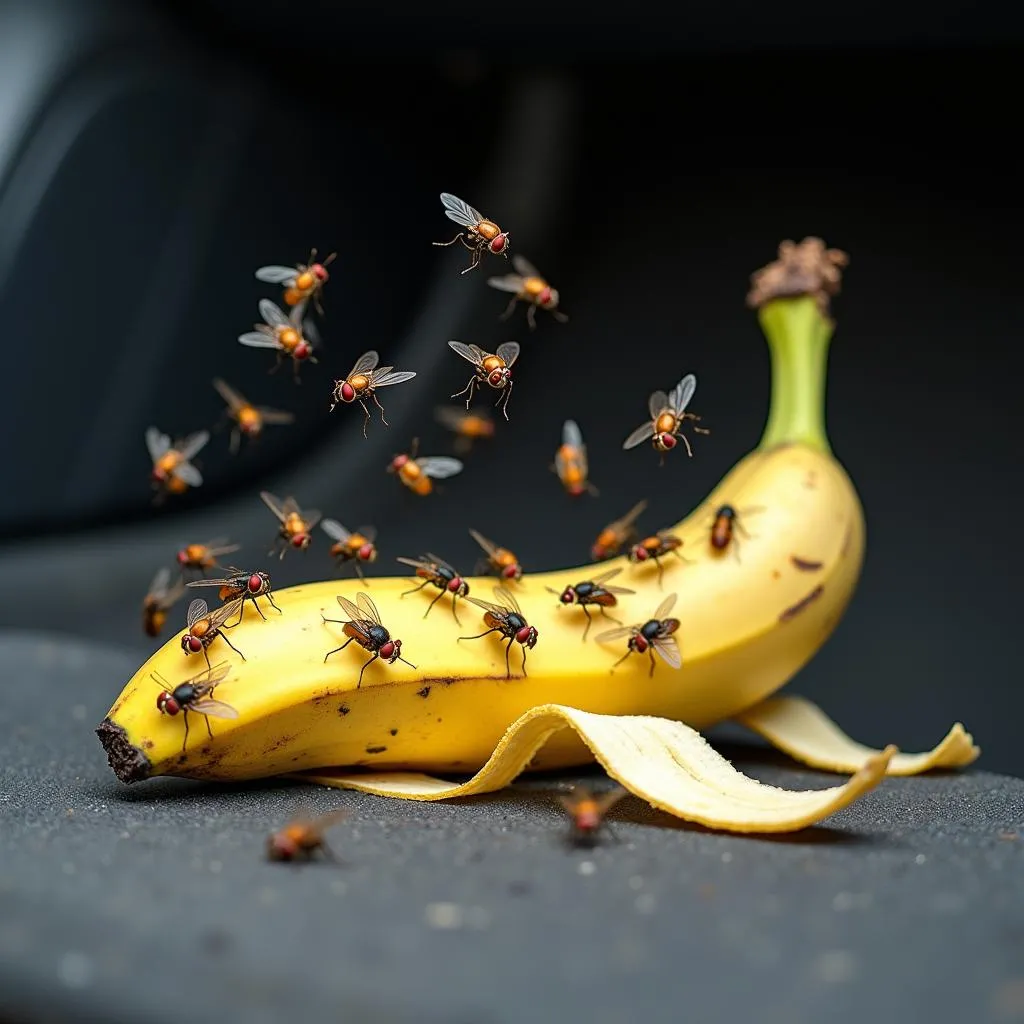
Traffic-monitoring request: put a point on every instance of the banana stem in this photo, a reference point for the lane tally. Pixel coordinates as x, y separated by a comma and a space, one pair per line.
798, 339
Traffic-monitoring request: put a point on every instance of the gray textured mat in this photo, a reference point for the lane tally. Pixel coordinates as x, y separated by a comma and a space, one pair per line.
154, 902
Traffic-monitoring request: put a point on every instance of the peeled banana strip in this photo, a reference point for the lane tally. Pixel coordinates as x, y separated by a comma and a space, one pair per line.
666, 763
803, 731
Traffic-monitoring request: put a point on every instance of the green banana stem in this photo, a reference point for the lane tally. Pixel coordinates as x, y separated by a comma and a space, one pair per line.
798, 339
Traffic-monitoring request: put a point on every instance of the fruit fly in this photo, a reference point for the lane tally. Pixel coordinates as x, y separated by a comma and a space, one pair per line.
653, 635
200, 557
667, 415
595, 592
289, 336
296, 526
301, 282
194, 695
301, 838
173, 471
364, 626
571, 461
507, 619
248, 418
655, 548
528, 284
587, 811
418, 473
500, 560
159, 599
612, 538
362, 382
351, 547
236, 583
436, 571
725, 525
493, 368
205, 626
467, 426
481, 235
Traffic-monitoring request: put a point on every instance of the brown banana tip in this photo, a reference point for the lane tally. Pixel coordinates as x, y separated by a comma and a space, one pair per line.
128, 763
805, 269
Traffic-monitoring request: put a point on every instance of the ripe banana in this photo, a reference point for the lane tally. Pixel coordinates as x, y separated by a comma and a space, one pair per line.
751, 616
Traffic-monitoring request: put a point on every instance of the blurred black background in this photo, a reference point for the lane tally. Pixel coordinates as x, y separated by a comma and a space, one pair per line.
152, 156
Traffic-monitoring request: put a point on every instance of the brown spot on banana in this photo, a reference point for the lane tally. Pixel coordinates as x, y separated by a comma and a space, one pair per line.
425, 692
794, 610
375, 750
805, 564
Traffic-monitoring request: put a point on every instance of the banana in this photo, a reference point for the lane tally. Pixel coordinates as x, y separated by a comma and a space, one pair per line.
750, 617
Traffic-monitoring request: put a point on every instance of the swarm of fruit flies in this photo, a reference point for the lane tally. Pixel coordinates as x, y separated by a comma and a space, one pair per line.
292, 336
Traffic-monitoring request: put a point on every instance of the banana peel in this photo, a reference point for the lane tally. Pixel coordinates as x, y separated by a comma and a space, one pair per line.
751, 617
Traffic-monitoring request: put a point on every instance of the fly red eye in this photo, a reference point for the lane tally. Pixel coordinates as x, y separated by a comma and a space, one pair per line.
399, 461
668, 441
524, 633
545, 296
320, 271
195, 645
568, 595
300, 540
182, 558
302, 350
255, 583
511, 572
498, 243
496, 378
640, 553
347, 392
640, 643
454, 585
366, 552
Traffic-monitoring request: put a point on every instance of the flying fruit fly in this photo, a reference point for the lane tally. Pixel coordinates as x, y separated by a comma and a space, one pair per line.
587, 812
205, 626
616, 534
296, 528
507, 619
364, 626
418, 473
351, 547
362, 382
667, 415
501, 561
173, 472
493, 368
436, 571
481, 235
248, 586
301, 282
302, 837
467, 426
596, 592
249, 419
653, 549
159, 599
194, 695
647, 637
528, 285
725, 524
201, 557
571, 462
289, 336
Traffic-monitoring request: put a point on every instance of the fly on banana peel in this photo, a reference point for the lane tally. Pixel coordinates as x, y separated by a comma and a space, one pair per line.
746, 627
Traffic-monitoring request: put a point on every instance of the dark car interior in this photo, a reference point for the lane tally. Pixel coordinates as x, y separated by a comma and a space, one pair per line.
153, 155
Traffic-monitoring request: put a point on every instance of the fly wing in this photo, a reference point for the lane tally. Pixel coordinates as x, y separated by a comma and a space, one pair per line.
277, 275
438, 560
187, 474
459, 211
273, 503
471, 353
657, 404
354, 613
525, 267
157, 443
196, 610
665, 607
487, 605
171, 596
571, 434
311, 517
160, 582
605, 576
632, 515
369, 532
365, 363
275, 416
272, 314
507, 283
507, 598
225, 612
613, 634
642, 433
297, 315
369, 608
214, 708
416, 563
210, 677
440, 467
335, 530
489, 546
667, 647
193, 444
608, 800
680, 396
231, 397
509, 351
449, 416
256, 339
387, 379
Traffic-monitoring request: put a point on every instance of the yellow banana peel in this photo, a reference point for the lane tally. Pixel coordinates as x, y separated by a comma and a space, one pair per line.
750, 618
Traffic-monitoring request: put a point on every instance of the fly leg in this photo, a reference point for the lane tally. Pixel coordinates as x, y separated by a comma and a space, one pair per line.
268, 596
223, 637
416, 590
455, 614
531, 316
366, 416
590, 622
508, 395
470, 388
376, 402
344, 645
600, 608
376, 655
184, 742
440, 594
509, 308
476, 260
629, 651
457, 238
